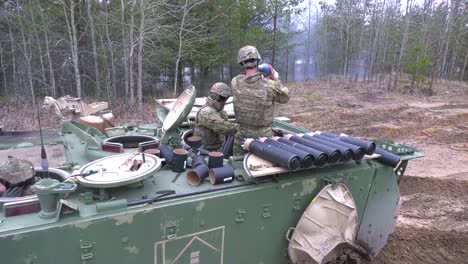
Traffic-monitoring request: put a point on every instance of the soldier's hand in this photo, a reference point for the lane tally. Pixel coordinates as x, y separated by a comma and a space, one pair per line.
273, 73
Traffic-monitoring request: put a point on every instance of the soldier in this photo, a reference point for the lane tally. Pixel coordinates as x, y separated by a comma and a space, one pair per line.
211, 122
255, 95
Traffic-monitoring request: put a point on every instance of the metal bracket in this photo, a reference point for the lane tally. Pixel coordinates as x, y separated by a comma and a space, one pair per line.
86, 250
171, 231
240, 215
266, 212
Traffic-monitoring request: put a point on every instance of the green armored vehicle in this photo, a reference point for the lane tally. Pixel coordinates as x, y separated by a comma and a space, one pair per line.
138, 194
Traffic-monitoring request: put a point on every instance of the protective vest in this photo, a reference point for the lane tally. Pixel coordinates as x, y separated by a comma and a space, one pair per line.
253, 101
211, 139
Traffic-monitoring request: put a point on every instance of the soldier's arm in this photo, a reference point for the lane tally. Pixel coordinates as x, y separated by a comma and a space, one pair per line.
216, 123
281, 93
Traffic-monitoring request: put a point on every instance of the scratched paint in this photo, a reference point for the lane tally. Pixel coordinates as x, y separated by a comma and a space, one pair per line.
308, 186
132, 250
200, 206
285, 185
19, 237
123, 219
83, 225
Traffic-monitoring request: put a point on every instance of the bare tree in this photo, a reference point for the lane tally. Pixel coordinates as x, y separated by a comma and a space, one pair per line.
93, 42
125, 45
13, 56
72, 32
186, 7
140, 57
49, 58
2, 64
27, 57
131, 49
111, 50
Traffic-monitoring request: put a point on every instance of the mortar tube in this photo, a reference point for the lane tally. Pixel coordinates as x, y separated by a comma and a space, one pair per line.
334, 154
199, 159
321, 158
346, 153
368, 146
179, 163
215, 159
194, 142
221, 175
198, 174
307, 159
358, 152
166, 153
387, 158
273, 154
155, 152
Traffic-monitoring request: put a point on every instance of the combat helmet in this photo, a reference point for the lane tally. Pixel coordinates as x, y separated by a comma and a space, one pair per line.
221, 89
16, 170
248, 53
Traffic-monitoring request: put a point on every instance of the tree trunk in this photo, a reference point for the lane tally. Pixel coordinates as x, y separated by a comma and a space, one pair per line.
125, 48
179, 50
405, 35
2, 64
93, 43
27, 57
140, 57
74, 44
13, 58
130, 53
275, 18
39, 46
446, 38
462, 73
111, 50
49, 59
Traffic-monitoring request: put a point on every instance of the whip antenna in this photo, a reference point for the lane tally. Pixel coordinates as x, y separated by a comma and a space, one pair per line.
44, 161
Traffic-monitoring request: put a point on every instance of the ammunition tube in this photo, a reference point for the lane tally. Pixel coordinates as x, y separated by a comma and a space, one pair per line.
221, 175
358, 152
334, 155
307, 159
273, 154
321, 158
368, 146
346, 153
387, 158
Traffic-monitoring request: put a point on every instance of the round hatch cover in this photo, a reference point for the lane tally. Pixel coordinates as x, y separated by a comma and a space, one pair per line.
181, 109
118, 170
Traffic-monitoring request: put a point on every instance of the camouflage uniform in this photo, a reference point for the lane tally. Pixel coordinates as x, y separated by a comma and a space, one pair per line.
212, 125
254, 99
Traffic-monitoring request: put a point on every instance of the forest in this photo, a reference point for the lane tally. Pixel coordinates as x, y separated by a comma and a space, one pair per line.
128, 49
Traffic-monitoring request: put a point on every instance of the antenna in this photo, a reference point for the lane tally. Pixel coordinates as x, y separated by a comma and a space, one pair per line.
44, 161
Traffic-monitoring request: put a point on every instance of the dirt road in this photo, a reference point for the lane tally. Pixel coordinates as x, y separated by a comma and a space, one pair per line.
433, 222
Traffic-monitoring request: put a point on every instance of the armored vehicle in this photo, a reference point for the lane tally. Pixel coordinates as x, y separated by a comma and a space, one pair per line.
145, 194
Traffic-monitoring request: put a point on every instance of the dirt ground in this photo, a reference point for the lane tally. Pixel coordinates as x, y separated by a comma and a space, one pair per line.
433, 222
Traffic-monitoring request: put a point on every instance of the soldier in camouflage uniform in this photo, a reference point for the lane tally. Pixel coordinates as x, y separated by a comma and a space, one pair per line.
211, 123
255, 95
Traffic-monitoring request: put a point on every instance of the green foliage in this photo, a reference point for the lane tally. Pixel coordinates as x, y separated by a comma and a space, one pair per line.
418, 64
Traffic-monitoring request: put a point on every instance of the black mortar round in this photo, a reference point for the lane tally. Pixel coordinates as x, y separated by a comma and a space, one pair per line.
215, 159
